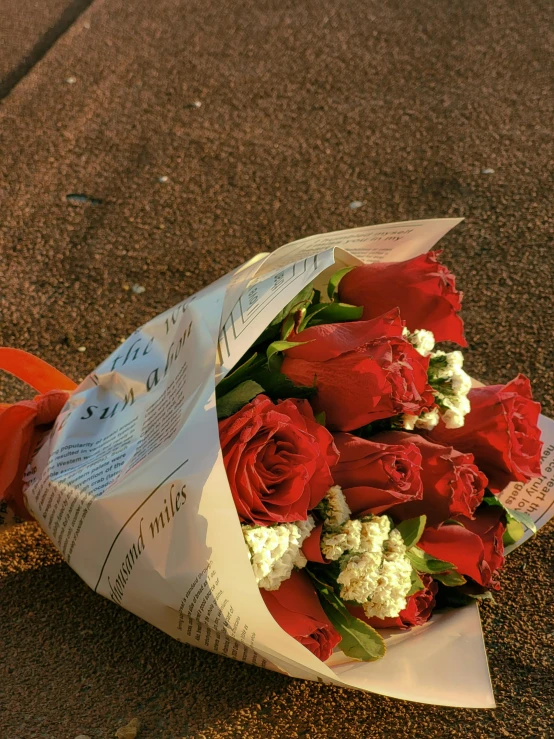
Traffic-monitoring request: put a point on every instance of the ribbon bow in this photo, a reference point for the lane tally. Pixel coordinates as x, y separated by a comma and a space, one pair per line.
23, 424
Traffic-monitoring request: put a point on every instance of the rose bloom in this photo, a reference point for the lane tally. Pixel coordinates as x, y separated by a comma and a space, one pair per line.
452, 484
375, 476
417, 612
277, 459
363, 371
421, 288
297, 610
476, 548
501, 432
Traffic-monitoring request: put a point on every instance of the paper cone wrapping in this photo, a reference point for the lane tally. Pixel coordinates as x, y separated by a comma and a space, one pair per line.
131, 487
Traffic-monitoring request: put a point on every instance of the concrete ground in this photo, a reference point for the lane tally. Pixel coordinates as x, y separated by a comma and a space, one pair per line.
267, 119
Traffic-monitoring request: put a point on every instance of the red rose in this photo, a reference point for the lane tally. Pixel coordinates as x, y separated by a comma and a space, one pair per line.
418, 608
363, 371
297, 610
501, 432
475, 548
277, 459
421, 288
376, 476
452, 484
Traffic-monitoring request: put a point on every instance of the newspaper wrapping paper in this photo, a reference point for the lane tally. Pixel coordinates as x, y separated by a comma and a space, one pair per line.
131, 487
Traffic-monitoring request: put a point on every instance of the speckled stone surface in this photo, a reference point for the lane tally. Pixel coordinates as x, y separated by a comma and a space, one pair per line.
28, 29
304, 108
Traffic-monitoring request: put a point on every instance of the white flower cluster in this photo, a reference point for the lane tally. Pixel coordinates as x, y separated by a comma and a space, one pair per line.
376, 574
394, 581
426, 421
360, 567
450, 383
275, 550
334, 508
422, 340
445, 370
343, 539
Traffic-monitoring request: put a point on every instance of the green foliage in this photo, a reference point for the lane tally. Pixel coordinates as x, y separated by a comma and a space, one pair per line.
359, 640
320, 418
423, 562
514, 531
333, 285
412, 530
512, 515
330, 313
457, 597
417, 583
450, 579
237, 398
244, 371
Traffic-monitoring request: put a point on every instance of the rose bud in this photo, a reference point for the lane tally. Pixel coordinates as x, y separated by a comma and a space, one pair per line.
452, 484
297, 610
421, 288
417, 612
363, 371
277, 459
501, 432
376, 476
476, 548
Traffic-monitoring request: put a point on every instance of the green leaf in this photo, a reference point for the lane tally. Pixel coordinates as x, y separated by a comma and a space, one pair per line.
320, 418
334, 281
412, 530
514, 531
450, 579
287, 326
240, 374
305, 296
359, 640
331, 313
237, 398
280, 346
417, 584
279, 387
457, 597
423, 562
523, 518
511, 513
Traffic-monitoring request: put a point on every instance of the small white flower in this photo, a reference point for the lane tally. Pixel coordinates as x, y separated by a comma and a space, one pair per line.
358, 578
334, 508
422, 340
374, 533
275, 550
461, 382
454, 388
409, 421
346, 538
429, 420
457, 408
378, 576
394, 581
426, 421
455, 360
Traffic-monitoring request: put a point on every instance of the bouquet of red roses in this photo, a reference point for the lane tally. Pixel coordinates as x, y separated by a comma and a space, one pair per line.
364, 467
292, 468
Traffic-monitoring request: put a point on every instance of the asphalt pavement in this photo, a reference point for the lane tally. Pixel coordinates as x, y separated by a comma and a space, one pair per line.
161, 144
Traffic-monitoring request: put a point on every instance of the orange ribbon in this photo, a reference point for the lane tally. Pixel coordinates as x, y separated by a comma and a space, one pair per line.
23, 424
